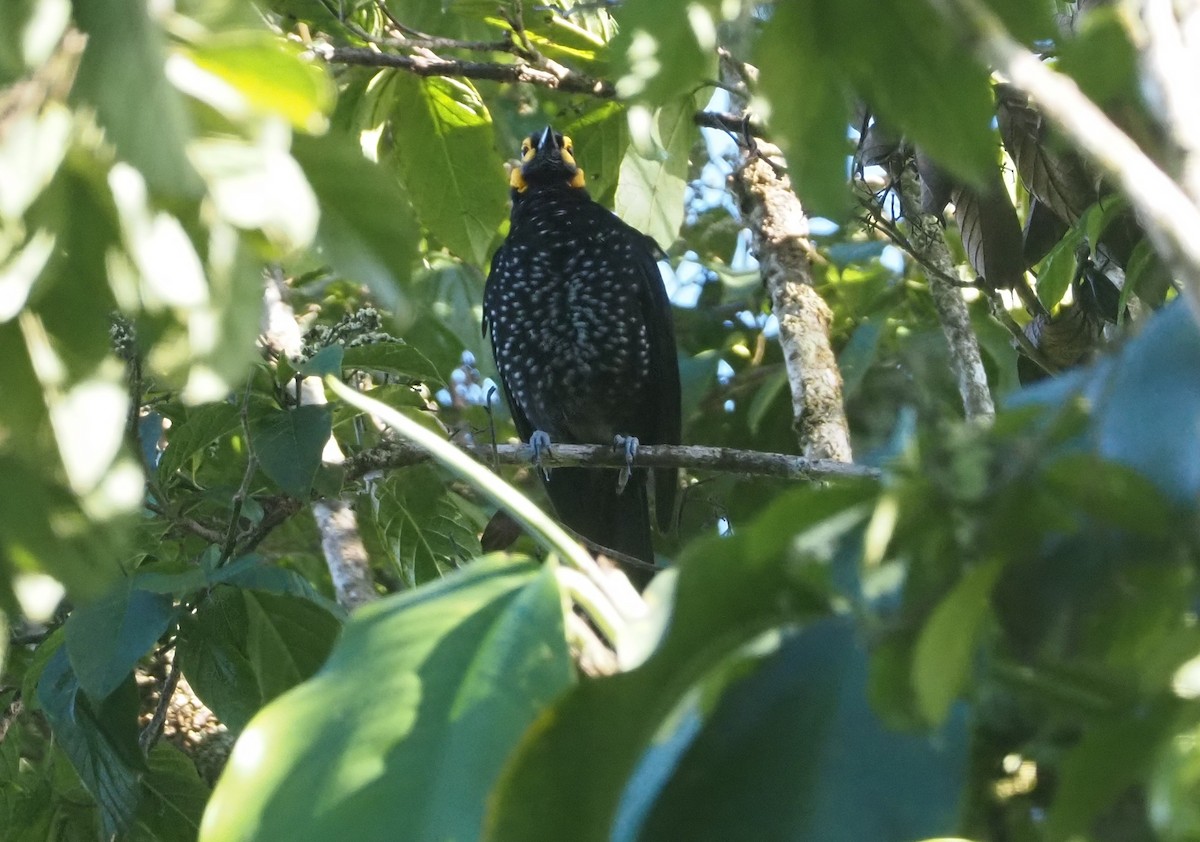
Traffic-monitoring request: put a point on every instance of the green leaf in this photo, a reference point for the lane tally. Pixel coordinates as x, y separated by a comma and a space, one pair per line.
367, 229
398, 358
601, 137
403, 732
255, 573
288, 445
811, 128
326, 361
1028, 20
99, 739
1112, 493
1111, 756
651, 188
794, 751
663, 48
1058, 268
729, 591
173, 798
241, 649
938, 95
203, 425
107, 637
946, 646
121, 75
447, 159
420, 526
270, 75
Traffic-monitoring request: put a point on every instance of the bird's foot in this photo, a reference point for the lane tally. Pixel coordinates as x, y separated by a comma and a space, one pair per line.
630, 444
540, 443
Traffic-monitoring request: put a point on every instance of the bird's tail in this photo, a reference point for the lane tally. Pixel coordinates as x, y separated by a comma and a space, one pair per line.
587, 502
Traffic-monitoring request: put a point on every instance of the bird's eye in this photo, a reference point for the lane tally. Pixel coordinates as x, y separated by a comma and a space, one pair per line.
567, 145
525, 147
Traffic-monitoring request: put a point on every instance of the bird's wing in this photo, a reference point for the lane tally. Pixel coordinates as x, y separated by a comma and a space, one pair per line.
502, 263
667, 408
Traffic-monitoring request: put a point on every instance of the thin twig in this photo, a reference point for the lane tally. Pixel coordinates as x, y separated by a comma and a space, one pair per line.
239, 498
153, 730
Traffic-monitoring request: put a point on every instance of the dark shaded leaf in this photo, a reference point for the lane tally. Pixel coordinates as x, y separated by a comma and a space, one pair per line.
288, 445
991, 233
107, 637
795, 752
1058, 179
99, 739
173, 798
1043, 229
240, 649
203, 425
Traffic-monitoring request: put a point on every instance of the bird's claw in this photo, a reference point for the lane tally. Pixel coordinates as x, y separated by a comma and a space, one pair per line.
540, 443
630, 444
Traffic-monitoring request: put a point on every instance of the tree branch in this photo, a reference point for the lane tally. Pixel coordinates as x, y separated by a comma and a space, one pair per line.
553, 75
780, 231
928, 240
693, 457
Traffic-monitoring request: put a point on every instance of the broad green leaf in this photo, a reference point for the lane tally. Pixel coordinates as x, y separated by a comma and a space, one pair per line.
107, 637
398, 358
811, 128
203, 425
367, 230
99, 739
651, 189
403, 732
663, 48
122, 76
946, 646
447, 159
241, 648
1028, 20
420, 526
270, 75
288, 445
794, 751
173, 798
771, 573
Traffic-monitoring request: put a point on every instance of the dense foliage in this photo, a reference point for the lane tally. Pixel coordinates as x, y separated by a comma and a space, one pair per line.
994, 635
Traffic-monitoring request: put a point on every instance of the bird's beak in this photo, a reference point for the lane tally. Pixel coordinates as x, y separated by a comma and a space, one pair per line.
547, 145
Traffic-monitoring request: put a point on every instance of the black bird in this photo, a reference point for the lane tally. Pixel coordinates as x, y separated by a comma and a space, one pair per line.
583, 339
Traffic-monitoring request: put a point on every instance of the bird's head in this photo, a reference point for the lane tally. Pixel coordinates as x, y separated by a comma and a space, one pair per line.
546, 159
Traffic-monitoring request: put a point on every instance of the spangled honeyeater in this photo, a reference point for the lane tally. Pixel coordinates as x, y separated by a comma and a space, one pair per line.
583, 339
